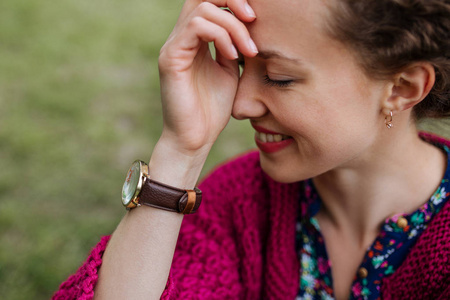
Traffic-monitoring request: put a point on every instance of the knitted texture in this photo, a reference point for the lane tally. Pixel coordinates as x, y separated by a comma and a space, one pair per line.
241, 245
425, 272
81, 284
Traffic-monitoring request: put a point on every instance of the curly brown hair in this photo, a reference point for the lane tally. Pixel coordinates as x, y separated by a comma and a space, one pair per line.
390, 35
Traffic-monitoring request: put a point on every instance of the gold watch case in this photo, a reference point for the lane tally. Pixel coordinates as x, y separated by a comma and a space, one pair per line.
136, 177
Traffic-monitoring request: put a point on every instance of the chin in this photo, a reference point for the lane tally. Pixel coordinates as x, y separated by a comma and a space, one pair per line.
281, 173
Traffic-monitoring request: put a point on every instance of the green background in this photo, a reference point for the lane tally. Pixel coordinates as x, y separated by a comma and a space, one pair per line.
79, 101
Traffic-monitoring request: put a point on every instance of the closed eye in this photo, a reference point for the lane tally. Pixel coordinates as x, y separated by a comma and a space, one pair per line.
277, 83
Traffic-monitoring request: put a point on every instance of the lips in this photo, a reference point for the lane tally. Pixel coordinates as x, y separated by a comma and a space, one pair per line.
269, 141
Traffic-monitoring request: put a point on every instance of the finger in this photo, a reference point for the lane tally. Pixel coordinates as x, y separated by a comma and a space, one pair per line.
235, 28
240, 8
201, 30
231, 66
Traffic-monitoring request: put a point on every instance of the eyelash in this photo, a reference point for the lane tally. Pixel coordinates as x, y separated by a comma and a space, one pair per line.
277, 83
269, 82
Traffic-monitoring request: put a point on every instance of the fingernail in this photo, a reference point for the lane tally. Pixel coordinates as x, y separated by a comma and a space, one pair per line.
234, 51
249, 10
253, 46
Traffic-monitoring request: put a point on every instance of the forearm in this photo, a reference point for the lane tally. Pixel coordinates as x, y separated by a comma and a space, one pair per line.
137, 261
197, 94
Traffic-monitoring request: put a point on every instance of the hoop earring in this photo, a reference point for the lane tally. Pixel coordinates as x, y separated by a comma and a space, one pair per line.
388, 121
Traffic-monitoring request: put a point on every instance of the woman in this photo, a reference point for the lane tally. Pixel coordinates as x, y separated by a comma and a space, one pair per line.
333, 89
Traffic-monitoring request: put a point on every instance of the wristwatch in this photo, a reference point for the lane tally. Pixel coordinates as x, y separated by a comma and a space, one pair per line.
138, 189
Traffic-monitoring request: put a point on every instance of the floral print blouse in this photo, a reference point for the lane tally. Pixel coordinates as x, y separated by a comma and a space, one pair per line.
397, 235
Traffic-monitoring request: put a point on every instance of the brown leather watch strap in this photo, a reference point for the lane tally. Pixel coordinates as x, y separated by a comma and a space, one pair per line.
160, 195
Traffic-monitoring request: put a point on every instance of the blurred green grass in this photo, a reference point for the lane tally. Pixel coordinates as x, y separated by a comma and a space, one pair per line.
79, 98
79, 101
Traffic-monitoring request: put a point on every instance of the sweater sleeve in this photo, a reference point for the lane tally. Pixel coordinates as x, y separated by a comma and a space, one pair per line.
445, 294
81, 285
206, 262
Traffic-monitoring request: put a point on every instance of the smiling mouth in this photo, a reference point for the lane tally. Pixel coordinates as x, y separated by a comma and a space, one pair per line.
270, 138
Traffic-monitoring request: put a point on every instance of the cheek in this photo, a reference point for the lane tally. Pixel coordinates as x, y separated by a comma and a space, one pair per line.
332, 124
326, 137
344, 108
311, 157
341, 132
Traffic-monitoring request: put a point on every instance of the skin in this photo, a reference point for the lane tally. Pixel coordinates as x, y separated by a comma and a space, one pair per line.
327, 104
329, 91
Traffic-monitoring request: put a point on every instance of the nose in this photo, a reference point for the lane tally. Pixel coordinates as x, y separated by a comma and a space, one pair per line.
249, 101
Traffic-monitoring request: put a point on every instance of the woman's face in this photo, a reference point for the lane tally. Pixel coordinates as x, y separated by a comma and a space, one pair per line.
307, 86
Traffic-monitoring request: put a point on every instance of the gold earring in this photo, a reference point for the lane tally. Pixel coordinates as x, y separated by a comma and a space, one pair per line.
388, 121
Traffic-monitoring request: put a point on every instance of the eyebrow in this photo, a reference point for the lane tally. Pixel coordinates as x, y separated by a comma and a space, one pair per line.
268, 54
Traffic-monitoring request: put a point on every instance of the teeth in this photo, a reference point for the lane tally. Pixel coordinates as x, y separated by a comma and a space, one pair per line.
263, 137
270, 138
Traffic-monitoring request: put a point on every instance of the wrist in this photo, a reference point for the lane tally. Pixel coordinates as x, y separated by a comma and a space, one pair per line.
171, 166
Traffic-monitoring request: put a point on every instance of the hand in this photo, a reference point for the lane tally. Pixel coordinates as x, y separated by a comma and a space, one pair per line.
197, 91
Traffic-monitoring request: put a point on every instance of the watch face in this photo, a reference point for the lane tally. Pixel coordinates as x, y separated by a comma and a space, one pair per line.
133, 183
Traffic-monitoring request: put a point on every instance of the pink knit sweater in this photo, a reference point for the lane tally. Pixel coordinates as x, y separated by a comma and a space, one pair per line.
241, 245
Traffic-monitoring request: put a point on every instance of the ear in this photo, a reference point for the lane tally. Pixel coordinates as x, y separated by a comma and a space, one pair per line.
409, 87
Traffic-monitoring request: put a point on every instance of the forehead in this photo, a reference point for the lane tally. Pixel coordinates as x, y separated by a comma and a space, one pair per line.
289, 24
